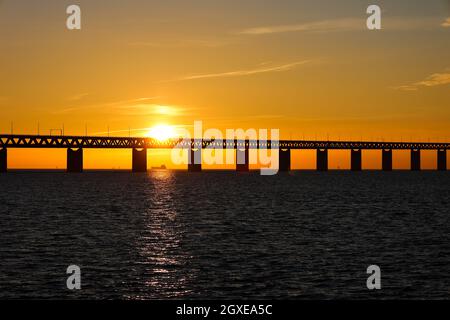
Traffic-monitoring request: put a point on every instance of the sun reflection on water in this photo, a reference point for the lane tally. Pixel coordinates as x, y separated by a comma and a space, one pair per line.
160, 241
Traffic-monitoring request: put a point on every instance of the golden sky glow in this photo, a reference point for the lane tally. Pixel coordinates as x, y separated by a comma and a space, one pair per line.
309, 68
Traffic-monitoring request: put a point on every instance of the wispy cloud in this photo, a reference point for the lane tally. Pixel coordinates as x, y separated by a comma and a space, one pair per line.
347, 24
446, 23
436, 79
143, 109
324, 25
208, 43
77, 97
108, 105
238, 73
268, 116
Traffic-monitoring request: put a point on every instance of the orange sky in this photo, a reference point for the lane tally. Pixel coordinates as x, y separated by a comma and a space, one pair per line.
308, 68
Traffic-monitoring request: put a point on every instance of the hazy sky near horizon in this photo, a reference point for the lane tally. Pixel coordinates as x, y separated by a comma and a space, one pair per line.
309, 68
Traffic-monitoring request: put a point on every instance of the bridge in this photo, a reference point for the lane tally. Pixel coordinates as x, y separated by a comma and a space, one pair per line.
76, 144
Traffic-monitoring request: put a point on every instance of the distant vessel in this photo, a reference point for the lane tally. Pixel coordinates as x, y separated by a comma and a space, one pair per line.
162, 167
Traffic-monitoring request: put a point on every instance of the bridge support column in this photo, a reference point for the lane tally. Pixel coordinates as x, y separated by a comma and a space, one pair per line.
356, 160
139, 160
322, 159
386, 159
195, 160
75, 160
415, 159
442, 160
3, 160
242, 160
284, 160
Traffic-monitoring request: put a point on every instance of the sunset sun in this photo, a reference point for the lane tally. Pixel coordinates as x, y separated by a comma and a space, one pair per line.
161, 132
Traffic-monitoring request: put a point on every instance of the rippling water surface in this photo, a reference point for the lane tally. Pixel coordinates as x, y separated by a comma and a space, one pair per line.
224, 235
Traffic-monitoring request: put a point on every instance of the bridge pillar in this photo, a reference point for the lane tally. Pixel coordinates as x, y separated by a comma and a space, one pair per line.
242, 160
139, 160
3, 160
356, 160
195, 160
442, 160
415, 159
322, 159
75, 160
284, 159
386, 159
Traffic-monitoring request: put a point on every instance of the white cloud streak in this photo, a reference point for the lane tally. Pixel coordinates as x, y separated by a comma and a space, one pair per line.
238, 73
436, 79
446, 23
109, 105
325, 25
183, 43
78, 96
348, 24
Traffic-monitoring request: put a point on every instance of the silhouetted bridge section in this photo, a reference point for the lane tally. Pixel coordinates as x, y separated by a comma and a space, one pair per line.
76, 144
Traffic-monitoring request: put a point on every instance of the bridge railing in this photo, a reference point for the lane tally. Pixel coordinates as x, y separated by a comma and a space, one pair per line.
35, 141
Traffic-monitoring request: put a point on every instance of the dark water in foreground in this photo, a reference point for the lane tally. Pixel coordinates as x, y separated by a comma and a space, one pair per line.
225, 235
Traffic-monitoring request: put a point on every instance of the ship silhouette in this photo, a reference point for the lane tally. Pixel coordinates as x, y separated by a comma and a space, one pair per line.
162, 167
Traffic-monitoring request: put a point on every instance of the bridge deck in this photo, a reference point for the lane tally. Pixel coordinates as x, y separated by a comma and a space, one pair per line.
37, 141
